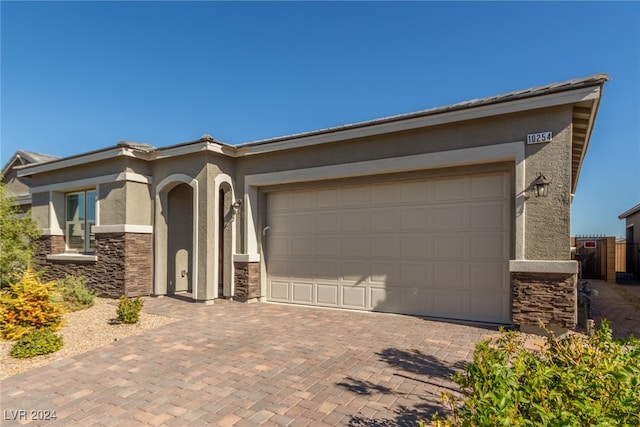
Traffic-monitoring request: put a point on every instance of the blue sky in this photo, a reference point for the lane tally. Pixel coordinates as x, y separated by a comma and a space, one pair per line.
79, 76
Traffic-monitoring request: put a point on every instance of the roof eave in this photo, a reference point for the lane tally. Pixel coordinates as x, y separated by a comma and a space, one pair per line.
629, 212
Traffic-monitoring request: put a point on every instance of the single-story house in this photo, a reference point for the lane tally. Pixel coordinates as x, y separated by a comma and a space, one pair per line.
438, 213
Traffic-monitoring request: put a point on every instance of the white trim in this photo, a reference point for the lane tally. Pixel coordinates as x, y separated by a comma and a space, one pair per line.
513, 151
123, 228
72, 257
246, 257
134, 177
52, 232
80, 184
191, 148
173, 179
365, 129
97, 220
543, 266
57, 204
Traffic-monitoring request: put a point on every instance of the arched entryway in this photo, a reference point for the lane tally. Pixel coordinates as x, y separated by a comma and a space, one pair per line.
180, 239
176, 239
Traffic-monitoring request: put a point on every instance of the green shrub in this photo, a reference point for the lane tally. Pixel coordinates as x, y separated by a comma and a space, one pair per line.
18, 236
129, 309
574, 381
74, 293
35, 343
27, 305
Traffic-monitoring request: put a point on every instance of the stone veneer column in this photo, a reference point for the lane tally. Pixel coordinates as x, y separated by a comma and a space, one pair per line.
544, 291
247, 280
138, 263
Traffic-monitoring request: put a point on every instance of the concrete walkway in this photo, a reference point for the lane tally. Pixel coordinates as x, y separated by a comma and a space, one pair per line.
620, 304
252, 364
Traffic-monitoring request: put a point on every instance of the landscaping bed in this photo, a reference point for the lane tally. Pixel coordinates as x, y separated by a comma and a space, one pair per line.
83, 330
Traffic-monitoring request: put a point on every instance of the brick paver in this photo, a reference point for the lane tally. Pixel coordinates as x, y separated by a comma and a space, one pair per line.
233, 364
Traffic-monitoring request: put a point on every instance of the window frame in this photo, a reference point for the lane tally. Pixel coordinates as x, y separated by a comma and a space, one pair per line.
82, 220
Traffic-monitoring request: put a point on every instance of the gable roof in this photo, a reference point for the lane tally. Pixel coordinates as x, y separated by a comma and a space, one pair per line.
629, 212
24, 157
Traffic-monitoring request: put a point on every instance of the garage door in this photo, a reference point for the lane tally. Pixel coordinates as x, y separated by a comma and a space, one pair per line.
437, 247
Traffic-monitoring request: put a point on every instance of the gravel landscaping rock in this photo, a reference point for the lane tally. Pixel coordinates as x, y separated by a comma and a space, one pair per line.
83, 330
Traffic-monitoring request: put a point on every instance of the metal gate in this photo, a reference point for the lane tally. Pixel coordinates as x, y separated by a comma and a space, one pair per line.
591, 252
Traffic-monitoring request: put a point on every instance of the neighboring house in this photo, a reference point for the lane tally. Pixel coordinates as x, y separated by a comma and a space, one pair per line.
632, 239
430, 213
19, 186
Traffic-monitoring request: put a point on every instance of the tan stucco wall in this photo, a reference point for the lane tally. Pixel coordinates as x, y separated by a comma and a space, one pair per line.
471, 133
112, 198
139, 203
82, 172
40, 210
548, 219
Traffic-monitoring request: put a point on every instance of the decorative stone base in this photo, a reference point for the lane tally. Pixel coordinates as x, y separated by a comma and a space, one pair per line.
247, 280
123, 266
547, 297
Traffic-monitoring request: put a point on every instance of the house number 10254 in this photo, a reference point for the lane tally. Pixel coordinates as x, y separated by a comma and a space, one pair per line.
540, 137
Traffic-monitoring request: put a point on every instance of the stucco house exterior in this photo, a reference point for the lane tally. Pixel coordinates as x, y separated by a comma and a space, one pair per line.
632, 239
431, 213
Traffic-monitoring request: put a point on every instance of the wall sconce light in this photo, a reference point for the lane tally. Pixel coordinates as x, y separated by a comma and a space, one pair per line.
541, 186
236, 206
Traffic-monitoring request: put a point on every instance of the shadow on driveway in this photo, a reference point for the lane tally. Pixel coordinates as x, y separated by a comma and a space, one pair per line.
411, 405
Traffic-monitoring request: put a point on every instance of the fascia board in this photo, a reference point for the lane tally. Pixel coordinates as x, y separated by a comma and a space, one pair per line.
629, 212
93, 181
73, 161
537, 102
192, 148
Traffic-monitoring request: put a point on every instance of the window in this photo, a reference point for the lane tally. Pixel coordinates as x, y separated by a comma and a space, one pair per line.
81, 217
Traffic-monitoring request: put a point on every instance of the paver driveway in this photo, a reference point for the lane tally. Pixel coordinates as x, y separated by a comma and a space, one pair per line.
252, 364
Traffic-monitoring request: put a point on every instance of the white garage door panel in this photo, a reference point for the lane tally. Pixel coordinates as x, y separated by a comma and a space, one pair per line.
433, 247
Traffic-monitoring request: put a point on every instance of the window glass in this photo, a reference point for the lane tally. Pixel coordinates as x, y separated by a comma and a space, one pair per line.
91, 205
81, 218
75, 236
72, 206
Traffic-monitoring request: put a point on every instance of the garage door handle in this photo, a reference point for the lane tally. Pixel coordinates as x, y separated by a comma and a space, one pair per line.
264, 230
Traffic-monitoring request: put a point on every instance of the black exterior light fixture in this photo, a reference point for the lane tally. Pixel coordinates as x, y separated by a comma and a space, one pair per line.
236, 206
541, 186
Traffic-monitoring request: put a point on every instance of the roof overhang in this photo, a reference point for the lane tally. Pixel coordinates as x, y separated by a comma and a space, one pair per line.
583, 94
629, 212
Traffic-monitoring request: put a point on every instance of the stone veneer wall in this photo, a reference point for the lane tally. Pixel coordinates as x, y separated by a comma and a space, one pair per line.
547, 297
123, 266
247, 280
138, 276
